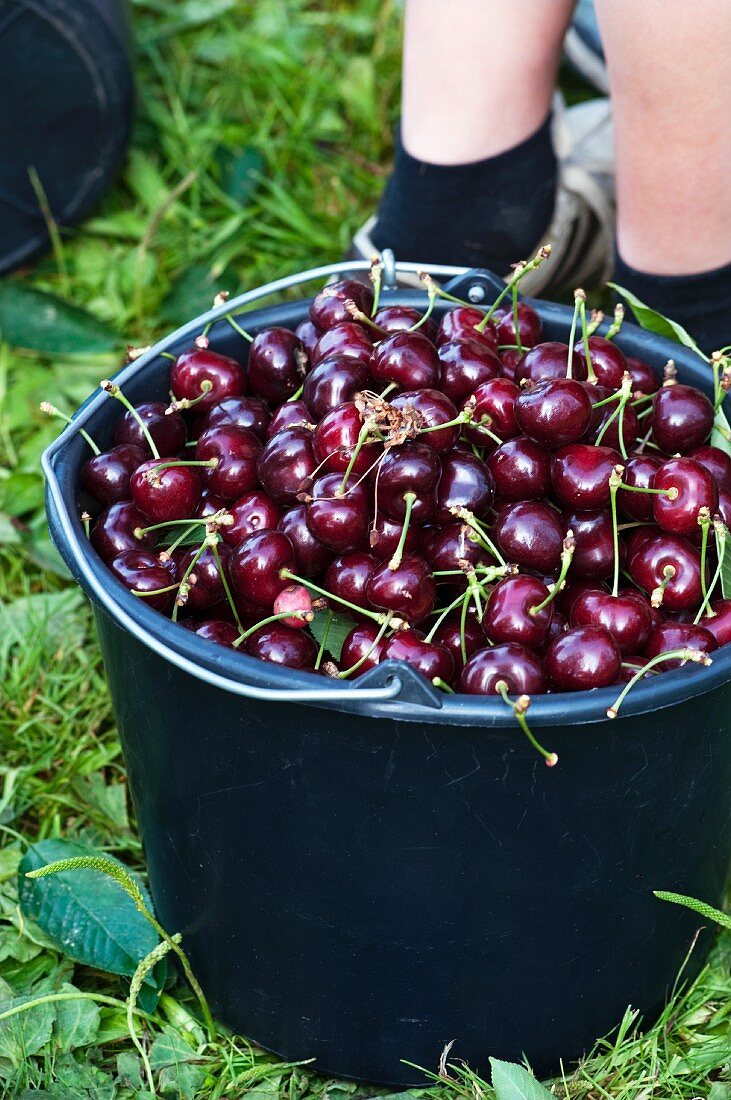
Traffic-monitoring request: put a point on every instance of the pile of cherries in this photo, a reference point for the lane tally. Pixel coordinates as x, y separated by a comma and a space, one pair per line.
509, 515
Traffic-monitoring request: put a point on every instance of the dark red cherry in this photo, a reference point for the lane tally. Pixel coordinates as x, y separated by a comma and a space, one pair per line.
431, 409
292, 414
215, 630
409, 359
394, 319
644, 379
717, 462
572, 589
718, 621
254, 511
167, 431
362, 644
530, 534
449, 544
465, 365
593, 544
348, 575
521, 470
668, 635
493, 407
227, 378
114, 531
142, 571
240, 412
106, 475
282, 645
607, 360
451, 634
209, 504
554, 413
348, 340
549, 360
626, 616
694, 488
530, 326
460, 324
582, 658
682, 418
256, 564
309, 334
206, 582
286, 463
333, 382
648, 564
637, 537
580, 475
466, 482
338, 521
277, 364
385, 535
724, 506
410, 467
510, 357
236, 451
629, 426
336, 439
310, 556
509, 616
328, 308
165, 492
430, 658
518, 667
408, 591
639, 470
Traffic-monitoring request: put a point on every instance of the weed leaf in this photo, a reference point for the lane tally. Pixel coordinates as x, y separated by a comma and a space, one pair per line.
77, 1022
513, 1082
42, 322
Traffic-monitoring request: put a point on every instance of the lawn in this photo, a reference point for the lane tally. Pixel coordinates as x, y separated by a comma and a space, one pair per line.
262, 137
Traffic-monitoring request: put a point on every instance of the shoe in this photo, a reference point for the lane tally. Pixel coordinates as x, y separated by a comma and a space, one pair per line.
581, 233
583, 47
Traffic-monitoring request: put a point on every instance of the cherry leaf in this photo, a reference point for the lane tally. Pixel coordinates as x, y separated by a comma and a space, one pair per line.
652, 321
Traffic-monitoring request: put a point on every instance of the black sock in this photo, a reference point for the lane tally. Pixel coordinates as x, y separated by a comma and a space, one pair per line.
700, 303
489, 213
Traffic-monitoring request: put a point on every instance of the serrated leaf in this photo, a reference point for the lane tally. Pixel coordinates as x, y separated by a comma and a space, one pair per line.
652, 321
338, 631
721, 431
37, 321
170, 1049
86, 913
513, 1082
77, 1022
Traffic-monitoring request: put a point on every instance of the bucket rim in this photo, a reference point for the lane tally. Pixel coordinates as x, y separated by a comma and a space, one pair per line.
392, 690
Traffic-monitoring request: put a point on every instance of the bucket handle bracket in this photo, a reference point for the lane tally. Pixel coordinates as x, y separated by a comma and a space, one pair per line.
415, 688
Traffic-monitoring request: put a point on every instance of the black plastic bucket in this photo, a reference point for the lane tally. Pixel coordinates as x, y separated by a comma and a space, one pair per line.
67, 113
364, 873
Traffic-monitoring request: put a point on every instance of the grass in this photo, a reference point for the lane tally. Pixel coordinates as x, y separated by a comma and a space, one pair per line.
260, 144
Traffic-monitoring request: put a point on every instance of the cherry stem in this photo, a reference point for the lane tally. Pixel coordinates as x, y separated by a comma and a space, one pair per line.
442, 616
486, 431
237, 328
222, 518
361, 317
483, 538
376, 276
596, 319
567, 554
362, 436
432, 292
154, 591
720, 531
617, 322
704, 521
520, 271
519, 708
86, 520
190, 402
615, 481
286, 574
590, 372
354, 668
325, 636
183, 586
579, 297
673, 654
51, 410
114, 391
296, 395
463, 418
439, 292
515, 317
395, 562
226, 586
625, 393
305, 616
671, 492
463, 624
658, 594
442, 685
181, 538
210, 463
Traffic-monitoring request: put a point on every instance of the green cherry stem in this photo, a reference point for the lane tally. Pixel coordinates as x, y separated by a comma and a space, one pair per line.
86, 520
362, 437
184, 585
704, 522
325, 636
590, 372
354, 668
596, 319
237, 328
226, 586
395, 562
305, 616
672, 654
114, 391
515, 317
567, 553
185, 403
51, 410
617, 322
519, 708
286, 574
443, 614
720, 531
431, 291
519, 272
362, 318
615, 481
376, 276
625, 393
658, 594
296, 395
442, 685
579, 298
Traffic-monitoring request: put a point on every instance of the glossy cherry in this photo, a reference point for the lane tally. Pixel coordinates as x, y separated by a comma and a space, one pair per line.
385, 535
452, 634
549, 360
466, 482
409, 359
717, 462
449, 544
554, 413
281, 645
530, 326
142, 571
521, 470
292, 414
648, 565
593, 544
214, 630
694, 488
335, 442
167, 430
241, 412
493, 408
643, 376
165, 492
580, 475
517, 667
582, 658
509, 616
530, 534
408, 591
669, 635
411, 467
626, 616
236, 451
718, 621
334, 381
206, 582
460, 324
466, 364
277, 364
431, 659
309, 334
394, 319
338, 521
114, 531
608, 362
362, 644
254, 511
639, 470
106, 476
310, 555
255, 567
348, 575
682, 418
348, 340
328, 308
286, 464
431, 408
226, 377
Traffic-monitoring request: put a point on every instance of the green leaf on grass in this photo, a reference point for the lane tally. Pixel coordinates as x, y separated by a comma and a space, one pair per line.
193, 293
240, 172
340, 627
90, 918
25, 1033
57, 613
42, 322
170, 1049
513, 1082
652, 321
77, 1022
